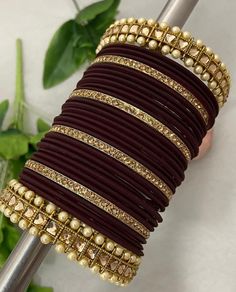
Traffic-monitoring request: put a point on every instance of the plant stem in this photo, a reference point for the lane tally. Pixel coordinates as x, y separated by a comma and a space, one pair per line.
18, 120
76, 5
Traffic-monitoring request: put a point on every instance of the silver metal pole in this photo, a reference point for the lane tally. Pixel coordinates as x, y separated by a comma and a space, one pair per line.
30, 252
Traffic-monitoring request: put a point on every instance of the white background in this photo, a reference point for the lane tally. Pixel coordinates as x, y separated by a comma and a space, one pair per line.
194, 250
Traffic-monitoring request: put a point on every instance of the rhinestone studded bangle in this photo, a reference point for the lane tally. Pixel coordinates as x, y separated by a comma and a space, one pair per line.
136, 112
180, 45
69, 235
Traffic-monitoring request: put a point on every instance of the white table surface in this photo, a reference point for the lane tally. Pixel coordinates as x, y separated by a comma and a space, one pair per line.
194, 250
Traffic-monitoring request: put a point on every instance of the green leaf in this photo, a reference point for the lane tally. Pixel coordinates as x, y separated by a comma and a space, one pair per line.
34, 140
64, 55
42, 126
36, 288
91, 11
13, 144
15, 167
1, 236
4, 253
3, 110
12, 236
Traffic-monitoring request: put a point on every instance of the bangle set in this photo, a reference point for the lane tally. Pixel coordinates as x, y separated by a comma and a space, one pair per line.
113, 158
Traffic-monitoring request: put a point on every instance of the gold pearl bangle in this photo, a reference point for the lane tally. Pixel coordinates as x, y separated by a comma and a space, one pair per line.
141, 67
79, 241
180, 45
116, 154
138, 113
88, 195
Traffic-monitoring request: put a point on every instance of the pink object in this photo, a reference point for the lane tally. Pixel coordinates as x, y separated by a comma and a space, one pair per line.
206, 144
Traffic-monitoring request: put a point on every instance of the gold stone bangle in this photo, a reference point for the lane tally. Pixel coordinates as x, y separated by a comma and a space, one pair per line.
88, 195
116, 154
69, 235
138, 113
141, 67
181, 45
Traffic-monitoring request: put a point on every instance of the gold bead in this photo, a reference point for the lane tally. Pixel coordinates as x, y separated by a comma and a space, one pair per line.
152, 44
83, 262
23, 224
12, 182
131, 20
212, 84
188, 62
126, 256
87, 231
29, 195
151, 21
50, 208
198, 69
22, 190
63, 216
205, 76
222, 65
216, 58
138, 260
119, 251
141, 41
75, 224
38, 201
199, 43
99, 239
14, 218
175, 29
130, 38
163, 25
133, 259
95, 269
165, 49
186, 35
33, 231
45, 239
2, 207
141, 20
113, 39
17, 186
123, 21
117, 22
176, 54
122, 38
72, 256
7, 212
109, 246
217, 91
105, 275
208, 50
60, 248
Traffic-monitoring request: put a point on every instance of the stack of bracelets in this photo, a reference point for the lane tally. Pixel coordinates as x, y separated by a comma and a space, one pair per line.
113, 158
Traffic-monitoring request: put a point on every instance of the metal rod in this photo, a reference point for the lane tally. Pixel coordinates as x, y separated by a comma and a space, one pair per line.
176, 12
22, 264
30, 252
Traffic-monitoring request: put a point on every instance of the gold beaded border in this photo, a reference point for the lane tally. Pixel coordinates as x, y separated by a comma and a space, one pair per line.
141, 67
181, 45
69, 235
88, 195
116, 154
137, 113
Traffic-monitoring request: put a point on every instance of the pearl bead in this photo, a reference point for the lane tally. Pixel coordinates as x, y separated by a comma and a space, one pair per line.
199, 43
198, 69
151, 21
99, 239
60, 248
113, 38
75, 224
176, 54
212, 84
83, 262
220, 98
186, 35
217, 91
163, 25
133, 259
45, 239
87, 232
175, 29
2, 207
165, 49
106, 40
141, 41
29, 195
50, 208
7, 212
72, 256
109, 246
141, 20
33, 231
216, 57
138, 261
14, 218
205, 76
208, 50
105, 275
130, 38
123, 21
22, 190
131, 19
117, 22
222, 65
113, 279
152, 44
17, 186
188, 62
118, 251
126, 256
122, 38
95, 269
63, 216
12, 182
23, 224
38, 201
220, 104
